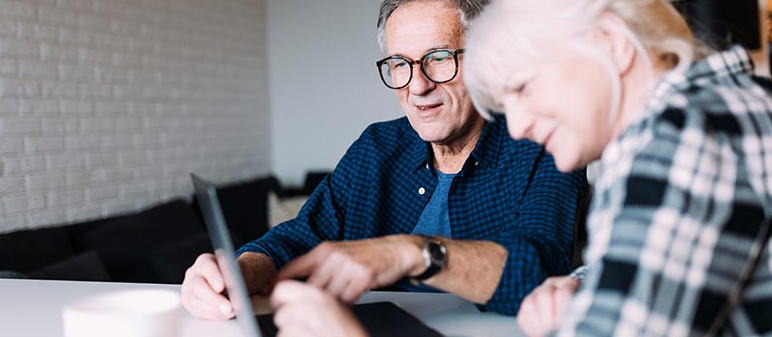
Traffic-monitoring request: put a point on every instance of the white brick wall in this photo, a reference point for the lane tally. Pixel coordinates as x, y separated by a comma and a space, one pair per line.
107, 105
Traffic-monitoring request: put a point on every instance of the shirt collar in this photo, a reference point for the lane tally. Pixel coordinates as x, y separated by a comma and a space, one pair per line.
486, 151
732, 61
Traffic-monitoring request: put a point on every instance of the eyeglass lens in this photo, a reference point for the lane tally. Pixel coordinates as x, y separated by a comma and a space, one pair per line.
439, 66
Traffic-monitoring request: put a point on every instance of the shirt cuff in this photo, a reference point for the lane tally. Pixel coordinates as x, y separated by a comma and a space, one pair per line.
276, 250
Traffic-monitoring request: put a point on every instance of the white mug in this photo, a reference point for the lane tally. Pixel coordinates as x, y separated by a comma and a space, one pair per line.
128, 313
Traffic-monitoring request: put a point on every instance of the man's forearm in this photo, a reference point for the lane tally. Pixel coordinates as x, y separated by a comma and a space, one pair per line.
258, 270
473, 269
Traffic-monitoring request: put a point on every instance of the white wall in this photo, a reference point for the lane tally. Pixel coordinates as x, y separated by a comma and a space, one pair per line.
107, 105
324, 86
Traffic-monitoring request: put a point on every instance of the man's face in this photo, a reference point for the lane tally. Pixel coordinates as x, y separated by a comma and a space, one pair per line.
440, 113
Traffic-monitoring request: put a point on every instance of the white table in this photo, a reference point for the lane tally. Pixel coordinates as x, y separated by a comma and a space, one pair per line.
33, 308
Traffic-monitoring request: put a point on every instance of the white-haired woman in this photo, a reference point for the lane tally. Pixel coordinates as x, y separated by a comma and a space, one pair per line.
679, 228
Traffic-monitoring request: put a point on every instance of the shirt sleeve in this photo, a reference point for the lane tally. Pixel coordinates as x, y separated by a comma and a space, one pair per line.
539, 242
673, 239
320, 218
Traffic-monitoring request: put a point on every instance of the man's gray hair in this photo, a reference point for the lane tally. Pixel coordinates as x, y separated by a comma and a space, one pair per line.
467, 9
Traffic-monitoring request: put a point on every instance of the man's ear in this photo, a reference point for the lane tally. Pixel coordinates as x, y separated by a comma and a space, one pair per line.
614, 35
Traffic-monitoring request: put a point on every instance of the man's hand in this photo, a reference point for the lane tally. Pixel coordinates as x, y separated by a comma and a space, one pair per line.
202, 290
203, 287
348, 269
293, 301
542, 309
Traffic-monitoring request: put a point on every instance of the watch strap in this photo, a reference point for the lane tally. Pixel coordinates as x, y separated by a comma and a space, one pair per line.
432, 267
430, 271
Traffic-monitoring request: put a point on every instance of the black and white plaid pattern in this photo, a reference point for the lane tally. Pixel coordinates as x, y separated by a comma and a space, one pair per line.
680, 224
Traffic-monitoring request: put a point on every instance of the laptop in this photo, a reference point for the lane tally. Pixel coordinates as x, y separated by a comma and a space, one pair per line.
379, 319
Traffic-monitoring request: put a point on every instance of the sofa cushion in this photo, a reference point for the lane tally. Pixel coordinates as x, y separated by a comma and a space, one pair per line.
170, 262
30, 249
77, 232
281, 209
123, 244
245, 206
82, 267
313, 179
12, 274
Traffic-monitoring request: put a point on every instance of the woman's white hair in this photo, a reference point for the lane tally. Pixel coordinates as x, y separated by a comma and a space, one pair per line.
509, 34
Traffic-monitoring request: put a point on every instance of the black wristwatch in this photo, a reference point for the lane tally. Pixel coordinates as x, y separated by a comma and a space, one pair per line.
435, 255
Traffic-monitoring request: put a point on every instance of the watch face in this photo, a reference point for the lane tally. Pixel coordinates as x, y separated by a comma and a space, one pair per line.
436, 252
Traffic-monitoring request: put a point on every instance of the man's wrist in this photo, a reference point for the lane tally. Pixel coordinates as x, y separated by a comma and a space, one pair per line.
258, 271
410, 252
435, 256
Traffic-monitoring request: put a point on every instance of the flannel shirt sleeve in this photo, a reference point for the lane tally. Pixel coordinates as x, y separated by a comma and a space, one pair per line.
320, 218
539, 242
676, 240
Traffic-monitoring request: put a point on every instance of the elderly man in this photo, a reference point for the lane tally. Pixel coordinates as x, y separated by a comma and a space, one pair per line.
440, 196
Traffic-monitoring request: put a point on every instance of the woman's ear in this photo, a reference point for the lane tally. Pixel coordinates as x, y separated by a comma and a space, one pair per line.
614, 35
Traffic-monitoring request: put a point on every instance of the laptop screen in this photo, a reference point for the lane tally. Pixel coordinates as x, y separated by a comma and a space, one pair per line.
223, 250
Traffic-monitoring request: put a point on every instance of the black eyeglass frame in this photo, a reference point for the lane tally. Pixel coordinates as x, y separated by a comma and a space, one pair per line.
420, 63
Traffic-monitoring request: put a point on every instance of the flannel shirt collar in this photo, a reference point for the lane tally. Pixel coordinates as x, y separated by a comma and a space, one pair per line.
732, 61
486, 152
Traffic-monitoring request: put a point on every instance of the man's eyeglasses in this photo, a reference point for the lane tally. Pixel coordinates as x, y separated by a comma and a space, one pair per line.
439, 66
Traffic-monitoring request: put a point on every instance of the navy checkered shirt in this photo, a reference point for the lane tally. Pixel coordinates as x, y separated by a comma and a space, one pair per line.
508, 192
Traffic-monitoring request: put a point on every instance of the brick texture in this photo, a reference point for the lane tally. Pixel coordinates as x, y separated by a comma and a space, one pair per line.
107, 105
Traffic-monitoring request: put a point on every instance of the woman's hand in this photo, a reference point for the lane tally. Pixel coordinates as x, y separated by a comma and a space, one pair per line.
305, 310
542, 309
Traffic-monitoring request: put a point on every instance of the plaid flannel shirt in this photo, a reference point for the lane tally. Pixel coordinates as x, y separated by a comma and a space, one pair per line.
508, 192
680, 222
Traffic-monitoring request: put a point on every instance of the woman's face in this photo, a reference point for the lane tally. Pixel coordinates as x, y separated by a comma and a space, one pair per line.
563, 104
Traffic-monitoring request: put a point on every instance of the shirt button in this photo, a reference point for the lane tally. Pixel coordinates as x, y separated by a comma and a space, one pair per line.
476, 163
421, 191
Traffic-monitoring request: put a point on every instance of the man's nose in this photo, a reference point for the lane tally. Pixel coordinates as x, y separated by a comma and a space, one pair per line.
420, 85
